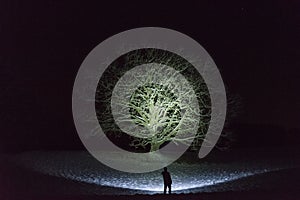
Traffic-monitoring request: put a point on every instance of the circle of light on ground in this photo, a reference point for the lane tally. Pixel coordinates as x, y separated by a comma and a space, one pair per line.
82, 167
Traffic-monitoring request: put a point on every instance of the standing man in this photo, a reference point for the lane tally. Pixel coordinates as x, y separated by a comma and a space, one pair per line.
167, 180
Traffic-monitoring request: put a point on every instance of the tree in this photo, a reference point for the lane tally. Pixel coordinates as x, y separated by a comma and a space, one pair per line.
159, 110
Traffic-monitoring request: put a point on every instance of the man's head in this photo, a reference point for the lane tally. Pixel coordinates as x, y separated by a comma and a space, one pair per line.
165, 169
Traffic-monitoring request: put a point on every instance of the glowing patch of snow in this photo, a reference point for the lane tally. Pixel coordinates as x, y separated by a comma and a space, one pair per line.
80, 166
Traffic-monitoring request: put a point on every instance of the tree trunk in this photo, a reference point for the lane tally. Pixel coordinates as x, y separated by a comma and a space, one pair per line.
154, 147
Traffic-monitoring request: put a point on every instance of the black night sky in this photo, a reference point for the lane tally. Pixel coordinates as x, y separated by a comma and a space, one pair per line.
43, 43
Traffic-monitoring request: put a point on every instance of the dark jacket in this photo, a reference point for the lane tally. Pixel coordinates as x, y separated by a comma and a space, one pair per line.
167, 178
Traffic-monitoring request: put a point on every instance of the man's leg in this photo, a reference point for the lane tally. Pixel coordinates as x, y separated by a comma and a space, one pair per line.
169, 189
165, 188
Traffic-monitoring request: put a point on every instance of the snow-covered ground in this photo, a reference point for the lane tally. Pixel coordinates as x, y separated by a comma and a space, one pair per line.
187, 176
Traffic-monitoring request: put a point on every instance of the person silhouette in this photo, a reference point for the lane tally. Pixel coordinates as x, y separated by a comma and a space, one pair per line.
167, 180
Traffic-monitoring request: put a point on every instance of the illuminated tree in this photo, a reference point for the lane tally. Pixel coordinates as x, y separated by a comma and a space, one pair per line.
162, 110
